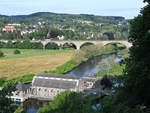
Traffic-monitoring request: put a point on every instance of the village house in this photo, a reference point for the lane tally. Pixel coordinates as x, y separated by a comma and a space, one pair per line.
9, 28
61, 37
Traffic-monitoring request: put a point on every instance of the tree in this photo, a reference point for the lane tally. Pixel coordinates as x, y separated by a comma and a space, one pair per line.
5, 103
68, 102
137, 73
69, 46
17, 51
19, 110
1, 54
106, 64
134, 95
147, 1
52, 46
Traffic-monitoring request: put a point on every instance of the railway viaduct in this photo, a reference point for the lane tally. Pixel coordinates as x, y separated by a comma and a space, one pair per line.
77, 43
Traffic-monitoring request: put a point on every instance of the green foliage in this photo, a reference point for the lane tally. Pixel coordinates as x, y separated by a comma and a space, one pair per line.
68, 46
134, 95
110, 69
80, 56
106, 64
109, 105
117, 70
1, 81
53, 17
19, 110
1, 54
22, 45
117, 46
87, 52
17, 52
68, 66
72, 27
68, 102
51, 46
86, 44
28, 45
137, 73
24, 79
5, 103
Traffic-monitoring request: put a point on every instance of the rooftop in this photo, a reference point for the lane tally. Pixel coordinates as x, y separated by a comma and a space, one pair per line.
22, 87
58, 76
59, 81
50, 83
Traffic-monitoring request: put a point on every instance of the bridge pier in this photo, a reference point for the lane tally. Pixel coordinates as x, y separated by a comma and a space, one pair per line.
77, 47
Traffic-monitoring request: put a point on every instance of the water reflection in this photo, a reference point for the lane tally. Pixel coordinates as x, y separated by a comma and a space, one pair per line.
32, 105
91, 66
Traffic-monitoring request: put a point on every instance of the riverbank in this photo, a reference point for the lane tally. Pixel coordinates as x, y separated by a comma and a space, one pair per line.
69, 65
117, 70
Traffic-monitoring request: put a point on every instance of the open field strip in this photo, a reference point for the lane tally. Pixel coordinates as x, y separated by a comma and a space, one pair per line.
31, 61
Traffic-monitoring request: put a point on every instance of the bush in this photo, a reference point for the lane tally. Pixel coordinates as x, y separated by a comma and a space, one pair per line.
25, 79
69, 46
17, 52
51, 46
87, 52
68, 66
1, 81
1, 54
68, 102
19, 110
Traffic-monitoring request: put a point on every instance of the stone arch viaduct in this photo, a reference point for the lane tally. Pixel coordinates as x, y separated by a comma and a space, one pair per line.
78, 43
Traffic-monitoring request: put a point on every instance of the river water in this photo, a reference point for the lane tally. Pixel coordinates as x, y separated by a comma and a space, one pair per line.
88, 67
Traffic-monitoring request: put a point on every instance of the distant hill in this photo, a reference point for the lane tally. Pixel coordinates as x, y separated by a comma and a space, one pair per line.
55, 17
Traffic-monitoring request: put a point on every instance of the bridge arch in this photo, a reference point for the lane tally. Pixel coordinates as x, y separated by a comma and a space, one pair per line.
69, 45
51, 45
86, 44
117, 45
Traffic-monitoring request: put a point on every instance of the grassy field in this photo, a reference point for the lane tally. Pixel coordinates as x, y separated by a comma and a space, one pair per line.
31, 61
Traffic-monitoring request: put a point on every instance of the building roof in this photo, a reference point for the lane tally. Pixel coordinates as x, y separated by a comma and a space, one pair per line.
22, 87
58, 76
55, 81
51, 83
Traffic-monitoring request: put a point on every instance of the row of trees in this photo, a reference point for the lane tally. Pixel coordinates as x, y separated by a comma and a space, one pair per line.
24, 45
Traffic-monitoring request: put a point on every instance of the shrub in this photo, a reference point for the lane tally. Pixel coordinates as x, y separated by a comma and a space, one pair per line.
51, 46
17, 52
1, 81
68, 66
87, 52
69, 46
1, 54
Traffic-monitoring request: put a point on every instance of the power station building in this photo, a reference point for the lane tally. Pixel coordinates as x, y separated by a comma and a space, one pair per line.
47, 86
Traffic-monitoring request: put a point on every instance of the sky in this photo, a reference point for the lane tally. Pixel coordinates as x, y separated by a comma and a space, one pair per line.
126, 8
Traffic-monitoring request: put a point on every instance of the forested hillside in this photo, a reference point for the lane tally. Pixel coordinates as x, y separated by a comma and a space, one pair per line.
46, 25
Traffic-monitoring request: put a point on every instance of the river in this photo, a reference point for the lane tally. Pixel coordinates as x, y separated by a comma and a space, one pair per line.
85, 68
